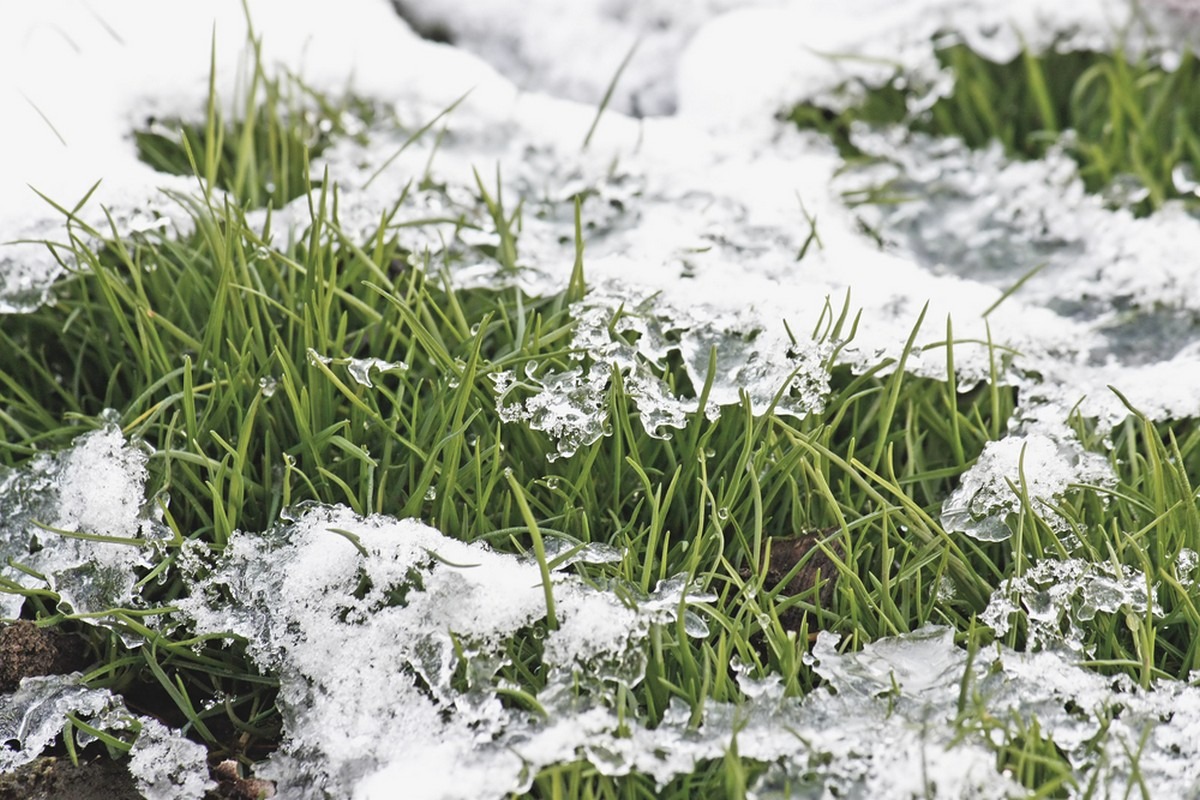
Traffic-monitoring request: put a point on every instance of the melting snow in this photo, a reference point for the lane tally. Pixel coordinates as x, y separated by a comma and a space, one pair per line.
165, 764
95, 488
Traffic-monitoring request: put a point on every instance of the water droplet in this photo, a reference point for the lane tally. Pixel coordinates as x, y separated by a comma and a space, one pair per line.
110, 416
431, 494
267, 385
722, 513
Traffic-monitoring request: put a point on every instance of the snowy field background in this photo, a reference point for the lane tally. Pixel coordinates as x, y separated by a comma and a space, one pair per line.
703, 201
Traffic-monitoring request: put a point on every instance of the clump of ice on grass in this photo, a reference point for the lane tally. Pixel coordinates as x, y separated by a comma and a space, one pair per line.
1039, 466
1058, 599
96, 487
167, 765
389, 638
164, 763
1115, 736
621, 330
359, 369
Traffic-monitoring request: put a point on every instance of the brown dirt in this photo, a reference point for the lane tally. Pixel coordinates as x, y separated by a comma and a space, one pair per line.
51, 778
785, 554
27, 650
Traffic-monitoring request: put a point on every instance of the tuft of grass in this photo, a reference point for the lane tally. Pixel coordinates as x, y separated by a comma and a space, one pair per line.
260, 153
1131, 125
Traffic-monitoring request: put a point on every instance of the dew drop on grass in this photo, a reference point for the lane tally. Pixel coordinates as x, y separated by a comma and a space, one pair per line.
431, 494
267, 385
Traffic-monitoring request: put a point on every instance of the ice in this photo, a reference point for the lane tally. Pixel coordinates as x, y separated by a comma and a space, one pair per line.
360, 369
1038, 466
165, 764
1057, 600
33, 716
400, 602
96, 488
168, 766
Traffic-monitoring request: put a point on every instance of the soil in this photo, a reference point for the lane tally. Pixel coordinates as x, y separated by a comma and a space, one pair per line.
51, 778
27, 650
786, 553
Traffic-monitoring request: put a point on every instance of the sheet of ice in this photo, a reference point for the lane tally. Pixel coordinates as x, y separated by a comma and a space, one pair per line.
97, 487
165, 764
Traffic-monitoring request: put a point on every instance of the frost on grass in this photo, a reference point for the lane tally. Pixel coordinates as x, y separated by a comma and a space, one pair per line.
390, 640
1058, 600
165, 764
1036, 466
95, 488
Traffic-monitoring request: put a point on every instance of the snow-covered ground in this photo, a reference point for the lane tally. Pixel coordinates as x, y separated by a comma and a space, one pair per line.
698, 210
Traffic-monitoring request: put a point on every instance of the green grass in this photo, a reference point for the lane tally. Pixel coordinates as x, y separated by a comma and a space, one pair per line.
180, 335
1131, 121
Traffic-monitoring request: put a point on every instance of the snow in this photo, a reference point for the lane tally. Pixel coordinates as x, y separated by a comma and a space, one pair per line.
165, 764
408, 608
694, 225
95, 488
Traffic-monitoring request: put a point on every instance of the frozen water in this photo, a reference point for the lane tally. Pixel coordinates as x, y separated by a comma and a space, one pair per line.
410, 608
165, 764
168, 766
95, 488
1039, 466
1058, 599
33, 716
